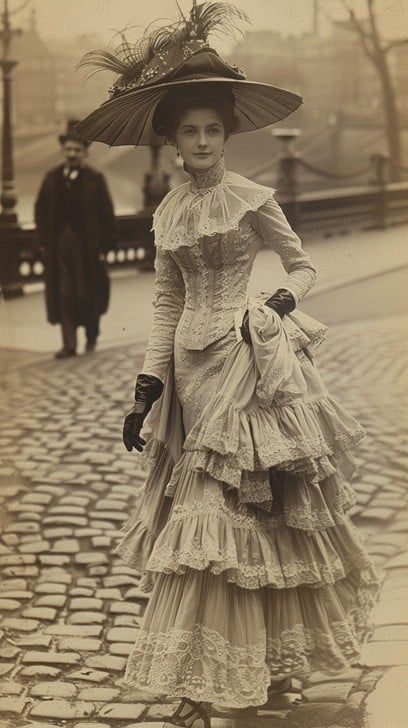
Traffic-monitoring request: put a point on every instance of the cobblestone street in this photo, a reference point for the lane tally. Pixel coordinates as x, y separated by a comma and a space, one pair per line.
70, 611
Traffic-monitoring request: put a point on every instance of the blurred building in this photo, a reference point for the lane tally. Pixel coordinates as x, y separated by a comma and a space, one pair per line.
34, 87
331, 73
76, 97
47, 88
342, 116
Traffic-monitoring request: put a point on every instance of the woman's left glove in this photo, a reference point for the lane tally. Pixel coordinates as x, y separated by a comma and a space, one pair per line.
148, 389
282, 302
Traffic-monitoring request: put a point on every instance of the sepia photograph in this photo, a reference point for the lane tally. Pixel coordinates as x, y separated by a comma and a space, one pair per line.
203, 363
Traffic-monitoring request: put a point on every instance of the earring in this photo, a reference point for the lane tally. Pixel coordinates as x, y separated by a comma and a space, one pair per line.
178, 153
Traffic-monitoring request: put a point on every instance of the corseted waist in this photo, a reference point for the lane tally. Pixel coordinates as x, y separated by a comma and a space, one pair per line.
198, 328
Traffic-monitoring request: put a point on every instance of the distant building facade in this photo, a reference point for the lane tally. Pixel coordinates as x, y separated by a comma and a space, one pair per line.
331, 73
47, 88
76, 97
34, 80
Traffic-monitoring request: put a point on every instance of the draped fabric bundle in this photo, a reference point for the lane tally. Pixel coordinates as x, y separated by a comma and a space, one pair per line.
242, 531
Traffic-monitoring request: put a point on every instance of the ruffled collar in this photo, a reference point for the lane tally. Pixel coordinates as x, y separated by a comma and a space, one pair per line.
188, 213
205, 179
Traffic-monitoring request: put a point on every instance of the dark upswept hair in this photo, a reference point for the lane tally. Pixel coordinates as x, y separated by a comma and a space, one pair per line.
178, 102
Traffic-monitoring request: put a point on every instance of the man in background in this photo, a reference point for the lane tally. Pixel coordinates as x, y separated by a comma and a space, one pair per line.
76, 227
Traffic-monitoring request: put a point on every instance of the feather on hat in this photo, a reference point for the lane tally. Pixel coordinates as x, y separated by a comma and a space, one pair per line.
177, 56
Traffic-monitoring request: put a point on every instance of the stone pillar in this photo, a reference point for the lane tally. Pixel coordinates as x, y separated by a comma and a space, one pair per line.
287, 182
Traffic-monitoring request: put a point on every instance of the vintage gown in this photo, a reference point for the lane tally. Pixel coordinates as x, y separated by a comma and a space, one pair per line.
242, 534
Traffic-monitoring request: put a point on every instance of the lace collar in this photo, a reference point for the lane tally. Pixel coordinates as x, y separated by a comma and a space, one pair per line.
205, 179
185, 216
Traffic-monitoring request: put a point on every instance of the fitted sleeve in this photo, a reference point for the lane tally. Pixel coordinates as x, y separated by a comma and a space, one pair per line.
272, 226
168, 306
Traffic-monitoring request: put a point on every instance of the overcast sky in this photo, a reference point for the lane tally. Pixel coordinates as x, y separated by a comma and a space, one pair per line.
69, 18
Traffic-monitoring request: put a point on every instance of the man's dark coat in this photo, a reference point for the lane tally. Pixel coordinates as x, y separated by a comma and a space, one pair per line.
99, 237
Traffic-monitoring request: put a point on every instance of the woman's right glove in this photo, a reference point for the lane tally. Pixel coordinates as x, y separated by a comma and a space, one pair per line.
282, 302
244, 328
148, 389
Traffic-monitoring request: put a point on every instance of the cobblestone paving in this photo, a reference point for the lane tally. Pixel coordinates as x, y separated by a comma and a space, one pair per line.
71, 610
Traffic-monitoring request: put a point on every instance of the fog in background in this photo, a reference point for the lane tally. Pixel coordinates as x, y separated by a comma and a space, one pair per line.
302, 45
69, 18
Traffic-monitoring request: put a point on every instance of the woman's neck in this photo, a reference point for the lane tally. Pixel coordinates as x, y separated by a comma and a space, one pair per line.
205, 178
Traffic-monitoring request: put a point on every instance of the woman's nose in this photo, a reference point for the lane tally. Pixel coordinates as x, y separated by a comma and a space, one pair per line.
202, 140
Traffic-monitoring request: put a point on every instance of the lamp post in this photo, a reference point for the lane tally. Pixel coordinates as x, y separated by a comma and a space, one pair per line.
8, 197
9, 227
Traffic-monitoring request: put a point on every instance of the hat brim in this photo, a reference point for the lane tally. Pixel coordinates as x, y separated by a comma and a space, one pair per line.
128, 119
62, 138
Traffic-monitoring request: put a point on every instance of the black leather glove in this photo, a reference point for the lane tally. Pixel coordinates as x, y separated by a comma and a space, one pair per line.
148, 389
244, 328
282, 302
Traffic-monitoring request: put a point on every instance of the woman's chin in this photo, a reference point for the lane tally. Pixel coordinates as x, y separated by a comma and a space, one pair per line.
200, 162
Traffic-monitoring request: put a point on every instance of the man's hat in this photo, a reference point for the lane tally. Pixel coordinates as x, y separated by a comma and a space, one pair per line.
177, 57
72, 134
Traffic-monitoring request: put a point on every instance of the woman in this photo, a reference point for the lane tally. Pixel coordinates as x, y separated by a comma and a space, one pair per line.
255, 570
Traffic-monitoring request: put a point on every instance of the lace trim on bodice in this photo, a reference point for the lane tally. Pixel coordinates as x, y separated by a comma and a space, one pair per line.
191, 211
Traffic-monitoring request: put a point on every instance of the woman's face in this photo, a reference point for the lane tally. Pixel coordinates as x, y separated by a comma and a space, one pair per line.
200, 138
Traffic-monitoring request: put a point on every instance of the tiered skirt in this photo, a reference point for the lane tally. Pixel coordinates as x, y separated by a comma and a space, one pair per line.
242, 534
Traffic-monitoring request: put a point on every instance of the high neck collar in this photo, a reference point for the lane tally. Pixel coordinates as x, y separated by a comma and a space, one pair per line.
204, 179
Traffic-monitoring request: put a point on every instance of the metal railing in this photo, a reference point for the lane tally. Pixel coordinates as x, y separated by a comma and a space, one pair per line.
135, 247
327, 212
379, 203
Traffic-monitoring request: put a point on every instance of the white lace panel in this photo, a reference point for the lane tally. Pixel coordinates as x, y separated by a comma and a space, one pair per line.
185, 215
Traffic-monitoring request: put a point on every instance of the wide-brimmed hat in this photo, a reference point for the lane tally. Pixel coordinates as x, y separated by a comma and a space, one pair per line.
72, 134
178, 57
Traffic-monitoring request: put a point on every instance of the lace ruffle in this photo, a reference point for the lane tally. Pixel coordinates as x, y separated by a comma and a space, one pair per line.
203, 663
146, 520
198, 663
183, 217
253, 551
262, 503
292, 652
292, 437
303, 331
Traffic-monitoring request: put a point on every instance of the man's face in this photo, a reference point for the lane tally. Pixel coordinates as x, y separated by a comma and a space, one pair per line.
74, 153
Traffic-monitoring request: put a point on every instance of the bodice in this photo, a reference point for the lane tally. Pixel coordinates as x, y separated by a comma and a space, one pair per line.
207, 234
215, 273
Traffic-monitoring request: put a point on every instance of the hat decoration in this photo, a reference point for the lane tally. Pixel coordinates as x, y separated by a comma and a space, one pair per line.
154, 56
177, 56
